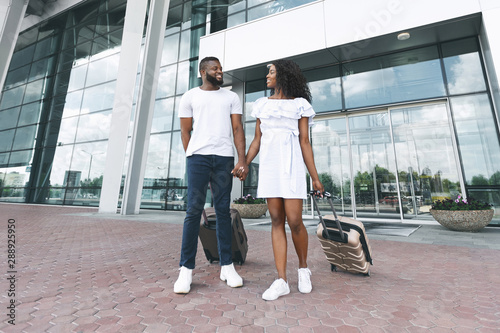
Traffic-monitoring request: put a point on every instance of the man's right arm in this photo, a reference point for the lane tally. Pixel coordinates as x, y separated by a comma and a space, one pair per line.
186, 128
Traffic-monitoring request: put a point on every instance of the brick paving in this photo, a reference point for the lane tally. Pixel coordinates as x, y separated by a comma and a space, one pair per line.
80, 272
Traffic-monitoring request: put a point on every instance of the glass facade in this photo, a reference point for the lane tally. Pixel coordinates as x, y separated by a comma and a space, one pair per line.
392, 131
396, 132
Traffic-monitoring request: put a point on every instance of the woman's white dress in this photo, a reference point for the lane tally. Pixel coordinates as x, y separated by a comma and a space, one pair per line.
282, 172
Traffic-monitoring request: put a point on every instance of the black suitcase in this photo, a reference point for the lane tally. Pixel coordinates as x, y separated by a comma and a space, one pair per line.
209, 239
343, 241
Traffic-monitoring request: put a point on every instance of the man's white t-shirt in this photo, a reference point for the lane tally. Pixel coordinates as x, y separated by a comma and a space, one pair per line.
211, 111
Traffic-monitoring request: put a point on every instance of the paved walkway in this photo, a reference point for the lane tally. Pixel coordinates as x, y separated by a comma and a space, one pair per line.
79, 271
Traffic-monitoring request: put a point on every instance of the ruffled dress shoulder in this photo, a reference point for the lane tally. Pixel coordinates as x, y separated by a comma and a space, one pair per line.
283, 108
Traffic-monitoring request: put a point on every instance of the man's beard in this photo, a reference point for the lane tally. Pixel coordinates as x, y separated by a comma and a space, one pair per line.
213, 80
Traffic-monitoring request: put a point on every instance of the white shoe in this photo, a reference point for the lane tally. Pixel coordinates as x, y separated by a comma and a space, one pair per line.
228, 274
305, 285
183, 283
277, 289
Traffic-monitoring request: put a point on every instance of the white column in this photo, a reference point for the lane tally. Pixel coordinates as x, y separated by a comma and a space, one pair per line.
11, 15
135, 16
145, 107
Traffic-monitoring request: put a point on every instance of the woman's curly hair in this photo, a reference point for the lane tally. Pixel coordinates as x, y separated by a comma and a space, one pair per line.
290, 80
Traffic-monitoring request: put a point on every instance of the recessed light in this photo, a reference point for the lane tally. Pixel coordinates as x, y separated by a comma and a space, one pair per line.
404, 36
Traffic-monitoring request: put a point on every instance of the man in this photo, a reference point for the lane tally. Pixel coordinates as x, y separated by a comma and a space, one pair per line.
210, 113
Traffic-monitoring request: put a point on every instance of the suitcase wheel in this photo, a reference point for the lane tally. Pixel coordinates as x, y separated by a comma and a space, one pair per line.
211, 260
333, 267
367, 273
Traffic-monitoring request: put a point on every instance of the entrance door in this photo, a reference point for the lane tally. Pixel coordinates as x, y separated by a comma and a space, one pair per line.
390, 164
426, 156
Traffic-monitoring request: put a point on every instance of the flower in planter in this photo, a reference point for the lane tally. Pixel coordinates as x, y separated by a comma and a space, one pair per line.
248, 199
460, 204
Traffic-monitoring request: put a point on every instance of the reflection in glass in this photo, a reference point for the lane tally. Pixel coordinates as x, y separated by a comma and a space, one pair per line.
425, 155
492, 196
34, 91
12, 97
158, 157
463, 68
25, 137
162, 118
170, 50
477, 139
30, 114
325, 88
103, 70
60, 165
94, 126
166, 81
393, 78
177, 170
373, 163
17, 77
98, 98
8, 118
331, 156
6, 138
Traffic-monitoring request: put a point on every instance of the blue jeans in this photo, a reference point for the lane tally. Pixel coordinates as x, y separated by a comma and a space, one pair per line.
202, 170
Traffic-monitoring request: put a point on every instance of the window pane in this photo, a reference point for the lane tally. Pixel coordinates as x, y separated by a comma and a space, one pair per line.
12, 97
477, 139
170, 49
183, 74
23, 57
98, 98
166, 82
30, 114
8, 118
158, 157
67, 130
17, 77
103, 70
235, 19
463, 67
60, 165
76, 79
6, 138
162, 118
325, 89
394, 78
73, 104
25, 137
34, 91
90, 158
94, 126
21, 158
177, 172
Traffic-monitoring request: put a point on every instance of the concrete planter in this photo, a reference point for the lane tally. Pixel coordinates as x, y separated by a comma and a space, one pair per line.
250, 211
463, 220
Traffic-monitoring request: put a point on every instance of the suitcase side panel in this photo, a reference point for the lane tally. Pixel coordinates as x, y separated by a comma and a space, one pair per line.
348, 256
208, 237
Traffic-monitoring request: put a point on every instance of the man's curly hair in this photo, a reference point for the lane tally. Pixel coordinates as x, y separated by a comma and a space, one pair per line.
290, 80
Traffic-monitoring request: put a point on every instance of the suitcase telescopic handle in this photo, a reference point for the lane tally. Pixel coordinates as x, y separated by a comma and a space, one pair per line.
328, 196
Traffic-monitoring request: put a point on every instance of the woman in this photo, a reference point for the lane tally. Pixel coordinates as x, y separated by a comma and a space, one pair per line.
282, 137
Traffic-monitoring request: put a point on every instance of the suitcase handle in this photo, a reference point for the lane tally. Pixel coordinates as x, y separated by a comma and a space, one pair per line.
341, 233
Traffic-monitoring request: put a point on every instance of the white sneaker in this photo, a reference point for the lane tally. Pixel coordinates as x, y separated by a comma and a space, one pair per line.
183, 283
277, 289
305, 285
228, 274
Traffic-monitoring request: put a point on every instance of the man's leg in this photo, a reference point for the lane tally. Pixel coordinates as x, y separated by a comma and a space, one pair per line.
198, 169
222, 183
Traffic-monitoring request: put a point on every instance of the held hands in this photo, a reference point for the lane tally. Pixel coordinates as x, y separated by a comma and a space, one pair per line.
240, 171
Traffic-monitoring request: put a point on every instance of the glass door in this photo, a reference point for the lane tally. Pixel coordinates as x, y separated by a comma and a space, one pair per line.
331, 156
374, 176
426, 156
389, 164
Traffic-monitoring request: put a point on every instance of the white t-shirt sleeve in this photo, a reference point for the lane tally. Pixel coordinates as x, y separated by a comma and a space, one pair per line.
185, 107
